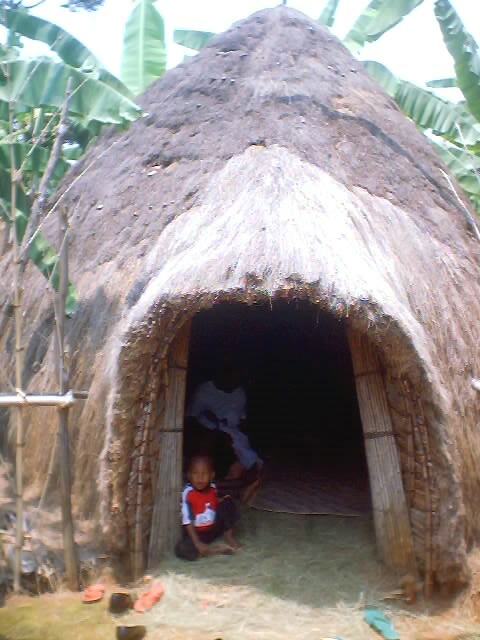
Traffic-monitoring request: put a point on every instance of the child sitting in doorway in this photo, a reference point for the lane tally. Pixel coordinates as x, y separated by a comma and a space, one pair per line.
205, 517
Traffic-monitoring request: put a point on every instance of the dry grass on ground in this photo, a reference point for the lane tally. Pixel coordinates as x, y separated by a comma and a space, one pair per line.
302, 577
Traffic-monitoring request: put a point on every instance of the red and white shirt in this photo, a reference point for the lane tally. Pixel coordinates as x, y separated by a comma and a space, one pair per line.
199, 507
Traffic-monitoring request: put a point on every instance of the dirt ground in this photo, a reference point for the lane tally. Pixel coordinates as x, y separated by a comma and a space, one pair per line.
307, 577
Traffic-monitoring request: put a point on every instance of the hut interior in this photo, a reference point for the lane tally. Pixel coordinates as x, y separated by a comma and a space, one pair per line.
303, 419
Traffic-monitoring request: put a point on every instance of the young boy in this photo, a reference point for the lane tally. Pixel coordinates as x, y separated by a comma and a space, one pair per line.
205, 517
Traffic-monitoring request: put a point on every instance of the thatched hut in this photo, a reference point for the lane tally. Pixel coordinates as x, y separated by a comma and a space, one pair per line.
270, 173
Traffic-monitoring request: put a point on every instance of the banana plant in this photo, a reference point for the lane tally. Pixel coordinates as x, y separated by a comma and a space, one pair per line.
35, 89
465, 53
453, 128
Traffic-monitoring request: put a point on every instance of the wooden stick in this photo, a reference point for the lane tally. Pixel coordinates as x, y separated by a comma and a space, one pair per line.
17, 305
39, 203
70, 554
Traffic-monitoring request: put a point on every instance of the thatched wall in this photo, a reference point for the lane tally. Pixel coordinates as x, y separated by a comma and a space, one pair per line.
270, 164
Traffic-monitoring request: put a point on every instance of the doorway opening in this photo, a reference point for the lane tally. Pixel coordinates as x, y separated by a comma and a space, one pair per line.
302, 412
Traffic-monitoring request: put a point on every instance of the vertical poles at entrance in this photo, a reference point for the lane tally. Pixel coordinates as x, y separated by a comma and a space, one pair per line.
390, 511
166, 508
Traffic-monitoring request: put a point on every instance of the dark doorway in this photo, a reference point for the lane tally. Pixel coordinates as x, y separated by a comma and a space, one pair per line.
303, 416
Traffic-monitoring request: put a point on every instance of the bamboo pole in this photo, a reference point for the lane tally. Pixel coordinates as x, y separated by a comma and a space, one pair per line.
17, 306
24, 400
69, 550
168, 485
4, 236
390, 512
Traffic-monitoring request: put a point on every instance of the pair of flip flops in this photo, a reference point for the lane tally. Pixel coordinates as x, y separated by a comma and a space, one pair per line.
120, 602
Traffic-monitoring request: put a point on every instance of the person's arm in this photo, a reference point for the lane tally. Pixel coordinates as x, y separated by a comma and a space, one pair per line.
187, 521
197, 405
210, 416
202, 548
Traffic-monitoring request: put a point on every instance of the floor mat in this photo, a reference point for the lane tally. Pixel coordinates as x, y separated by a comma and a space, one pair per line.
311, 491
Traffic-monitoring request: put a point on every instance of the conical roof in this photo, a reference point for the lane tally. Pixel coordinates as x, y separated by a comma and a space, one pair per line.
276, 78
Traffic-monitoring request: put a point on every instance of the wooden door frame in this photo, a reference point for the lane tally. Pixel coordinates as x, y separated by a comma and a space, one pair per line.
390, 510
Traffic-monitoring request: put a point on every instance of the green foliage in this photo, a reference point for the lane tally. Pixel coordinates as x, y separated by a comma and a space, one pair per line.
35, 90
68, 48
465, 167
428, 111
464, 51
442, 83
144, 55
43, 83
456, 133
378, 17
327, 16
192, 39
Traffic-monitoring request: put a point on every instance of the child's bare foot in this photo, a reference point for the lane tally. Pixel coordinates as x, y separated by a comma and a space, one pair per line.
232, 541
224, 549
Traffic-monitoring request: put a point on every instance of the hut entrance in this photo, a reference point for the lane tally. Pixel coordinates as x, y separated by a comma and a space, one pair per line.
303, 418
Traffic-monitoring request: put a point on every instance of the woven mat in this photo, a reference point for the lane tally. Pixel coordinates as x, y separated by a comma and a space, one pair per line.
307, 491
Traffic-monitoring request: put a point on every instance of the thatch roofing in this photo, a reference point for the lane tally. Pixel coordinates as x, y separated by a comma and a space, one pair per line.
268, 164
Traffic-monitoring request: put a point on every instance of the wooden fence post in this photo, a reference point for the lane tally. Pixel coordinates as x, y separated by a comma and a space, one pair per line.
69, 550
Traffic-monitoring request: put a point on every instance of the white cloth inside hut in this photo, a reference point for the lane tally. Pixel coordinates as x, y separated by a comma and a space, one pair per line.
230, 409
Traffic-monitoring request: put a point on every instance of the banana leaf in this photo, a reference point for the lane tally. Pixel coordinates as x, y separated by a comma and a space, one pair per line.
192, 39
327, 16
427, 110
144, 55
32, 159
442, 83
464, 50
42, 82
465, 167
377, 18
68, 48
